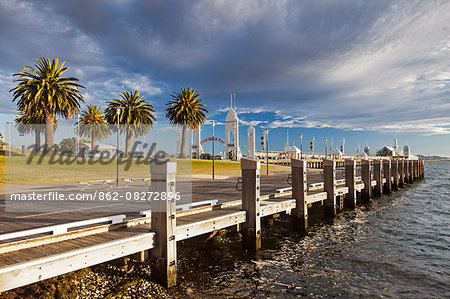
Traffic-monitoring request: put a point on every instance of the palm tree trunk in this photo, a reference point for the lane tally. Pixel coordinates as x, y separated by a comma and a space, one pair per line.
49, 124
37, 139
183, 142
93, 139
128, 144
93, 144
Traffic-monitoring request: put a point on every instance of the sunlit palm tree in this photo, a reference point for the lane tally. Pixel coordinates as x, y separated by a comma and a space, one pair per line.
93, 124
41, 91
185, 109
136, 115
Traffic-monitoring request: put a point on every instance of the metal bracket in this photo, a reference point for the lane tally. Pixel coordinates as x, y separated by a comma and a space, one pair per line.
239, 184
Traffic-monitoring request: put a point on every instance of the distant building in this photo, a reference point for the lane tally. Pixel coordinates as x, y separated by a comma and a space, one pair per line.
387, 151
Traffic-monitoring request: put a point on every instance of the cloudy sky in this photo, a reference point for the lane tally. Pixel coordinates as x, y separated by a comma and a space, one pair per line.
365, 71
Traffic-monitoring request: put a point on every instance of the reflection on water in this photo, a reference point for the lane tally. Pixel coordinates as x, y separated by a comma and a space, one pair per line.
397, 246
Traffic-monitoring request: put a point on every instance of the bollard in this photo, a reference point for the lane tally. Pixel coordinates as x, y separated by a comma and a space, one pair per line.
251, 228
387, 187
299, 193
367, 180
350, 174
394, 165
329, 186
378, 190
164, 254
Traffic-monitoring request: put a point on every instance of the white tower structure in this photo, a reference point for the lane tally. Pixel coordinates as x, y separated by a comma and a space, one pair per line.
395, 145
343, 146
194, 145
251, 142
406, 151
232, 134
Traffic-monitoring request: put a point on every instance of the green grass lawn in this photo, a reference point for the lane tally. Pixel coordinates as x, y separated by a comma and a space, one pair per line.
16, 169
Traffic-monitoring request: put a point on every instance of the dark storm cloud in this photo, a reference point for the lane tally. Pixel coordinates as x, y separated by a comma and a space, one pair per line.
328, 60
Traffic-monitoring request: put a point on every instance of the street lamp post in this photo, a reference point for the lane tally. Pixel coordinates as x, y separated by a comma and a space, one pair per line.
301, 146
213, 123
266, 139
9, 138
117, 149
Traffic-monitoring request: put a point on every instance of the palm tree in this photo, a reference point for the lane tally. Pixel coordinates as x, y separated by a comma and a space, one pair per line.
43, 92
185, 109
135, 113
31, 123
93, 124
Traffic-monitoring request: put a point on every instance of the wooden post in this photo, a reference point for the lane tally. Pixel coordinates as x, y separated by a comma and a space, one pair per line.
367, 180
350, 174
299, 193
394, 165
422, 168
329, 186
378, 190
164, 254
401, 172
410, 171
251, 228
388, 176
407, 166
416, 170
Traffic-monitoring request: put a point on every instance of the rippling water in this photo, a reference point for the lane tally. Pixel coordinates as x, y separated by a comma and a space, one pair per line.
397, 246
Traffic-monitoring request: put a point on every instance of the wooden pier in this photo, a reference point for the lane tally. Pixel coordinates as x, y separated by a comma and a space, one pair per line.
56, 251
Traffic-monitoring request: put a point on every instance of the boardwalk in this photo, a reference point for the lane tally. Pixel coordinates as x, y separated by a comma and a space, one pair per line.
30, 259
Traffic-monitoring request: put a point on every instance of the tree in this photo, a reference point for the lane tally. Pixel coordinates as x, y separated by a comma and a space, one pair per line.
185, 108
42, 92
135, 113
68, 144
93, 124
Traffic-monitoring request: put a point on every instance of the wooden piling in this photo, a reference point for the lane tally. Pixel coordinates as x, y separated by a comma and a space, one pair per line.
164, 254
251, 228
394, 165
378, 190
416, 170
299, 193
350, 174
410, 171
401, 173
367, 180
329, 186
387, 187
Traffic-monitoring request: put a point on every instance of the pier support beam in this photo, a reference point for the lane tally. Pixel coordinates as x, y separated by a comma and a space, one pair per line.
416, 170
407, 171
422, 164
329, 186
350, 174
251, 228
299, 193
378, 190
394, 165
410, 171
366, 176
387, 188
401, 172
164, 254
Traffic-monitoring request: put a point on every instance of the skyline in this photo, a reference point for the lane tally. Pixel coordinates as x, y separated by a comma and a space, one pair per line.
365, 72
